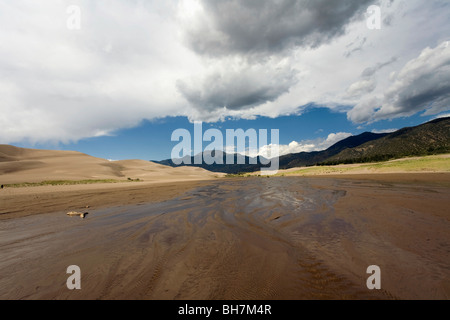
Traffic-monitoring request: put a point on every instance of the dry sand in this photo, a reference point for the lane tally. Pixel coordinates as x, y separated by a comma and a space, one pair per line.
252, 238
18, 165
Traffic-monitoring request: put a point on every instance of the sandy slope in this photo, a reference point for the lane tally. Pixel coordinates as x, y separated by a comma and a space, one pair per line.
28, 165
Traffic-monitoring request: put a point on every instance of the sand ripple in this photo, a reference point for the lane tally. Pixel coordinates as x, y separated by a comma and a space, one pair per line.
277, 238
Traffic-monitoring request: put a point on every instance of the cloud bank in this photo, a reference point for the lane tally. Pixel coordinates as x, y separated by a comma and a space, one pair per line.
302, 146
207, 60
422, 84
265, 27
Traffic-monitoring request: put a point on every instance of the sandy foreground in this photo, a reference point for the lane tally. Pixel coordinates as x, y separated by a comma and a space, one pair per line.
249, 238
20, 202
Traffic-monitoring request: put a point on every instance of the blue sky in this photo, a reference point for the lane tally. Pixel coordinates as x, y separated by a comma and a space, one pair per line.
152, 139
114, 78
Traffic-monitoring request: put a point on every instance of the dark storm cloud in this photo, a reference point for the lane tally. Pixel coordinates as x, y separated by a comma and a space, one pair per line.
245, 86
426, 92
438, 97
267, 26
257, 33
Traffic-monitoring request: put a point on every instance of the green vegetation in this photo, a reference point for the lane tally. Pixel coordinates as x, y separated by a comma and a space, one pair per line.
66, 183
133, 180
237, 175
376, 158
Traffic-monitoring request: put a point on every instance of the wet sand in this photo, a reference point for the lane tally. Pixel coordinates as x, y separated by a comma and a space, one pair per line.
253, 238
21, 202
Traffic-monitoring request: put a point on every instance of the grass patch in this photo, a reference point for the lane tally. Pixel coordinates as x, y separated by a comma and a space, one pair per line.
66, 183
430, 163
319, 170
425, 164
237, 175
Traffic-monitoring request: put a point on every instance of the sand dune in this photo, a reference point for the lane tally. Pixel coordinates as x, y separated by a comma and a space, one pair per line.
145, 170
19, 165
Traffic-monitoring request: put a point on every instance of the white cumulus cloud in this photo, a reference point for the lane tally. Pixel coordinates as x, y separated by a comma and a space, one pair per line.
207, 60
302, 146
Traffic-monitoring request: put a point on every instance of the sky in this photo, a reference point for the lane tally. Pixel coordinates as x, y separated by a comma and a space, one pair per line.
115, 78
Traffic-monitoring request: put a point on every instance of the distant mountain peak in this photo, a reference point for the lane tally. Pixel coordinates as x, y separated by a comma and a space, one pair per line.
430, 137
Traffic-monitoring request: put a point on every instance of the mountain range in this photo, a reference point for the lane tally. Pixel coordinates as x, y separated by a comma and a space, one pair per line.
429, 138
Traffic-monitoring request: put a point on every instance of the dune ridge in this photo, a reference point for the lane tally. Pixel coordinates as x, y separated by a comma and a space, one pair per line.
18, 165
